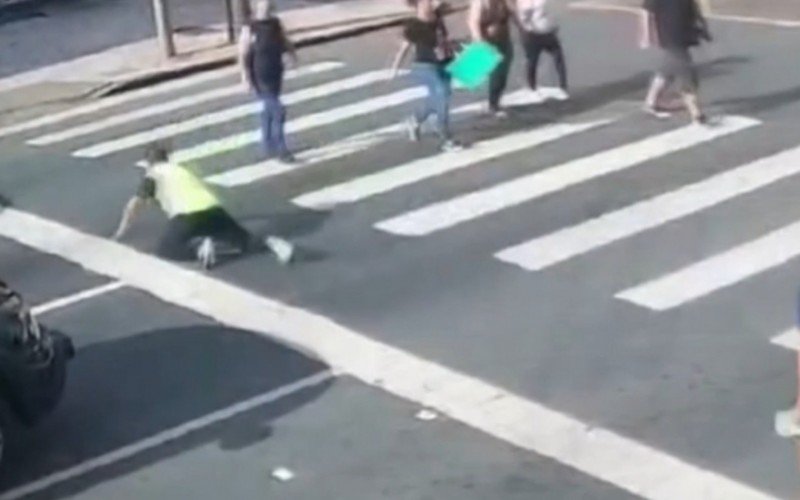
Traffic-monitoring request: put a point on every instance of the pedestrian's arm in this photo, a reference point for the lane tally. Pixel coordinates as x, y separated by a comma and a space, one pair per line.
400, 57
132, 210
645, 29
474, 20
245, 39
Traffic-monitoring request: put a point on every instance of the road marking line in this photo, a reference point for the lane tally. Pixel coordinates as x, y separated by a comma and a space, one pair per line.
348, 146
717, 272
77, 297
116, 100
169, 106
592, 450
464, 208
167, 436
781, 23
227, 115
303, 123
790, 339
370, 185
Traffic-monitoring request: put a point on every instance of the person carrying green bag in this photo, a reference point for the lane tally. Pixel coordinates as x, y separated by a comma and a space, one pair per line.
490, 21
427, 34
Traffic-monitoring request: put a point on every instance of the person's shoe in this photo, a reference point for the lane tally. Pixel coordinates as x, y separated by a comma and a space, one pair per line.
702, 119
287, 158
283, 250
787, 423
451, 146
560, 95
413, 129
537, 97
207, 254
499, 113
657, 112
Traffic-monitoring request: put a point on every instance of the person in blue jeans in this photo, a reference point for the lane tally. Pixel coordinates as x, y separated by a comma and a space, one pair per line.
262, 46
427, 34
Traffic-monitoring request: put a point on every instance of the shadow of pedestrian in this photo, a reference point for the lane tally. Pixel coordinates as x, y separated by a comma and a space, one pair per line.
126, 391
760, 103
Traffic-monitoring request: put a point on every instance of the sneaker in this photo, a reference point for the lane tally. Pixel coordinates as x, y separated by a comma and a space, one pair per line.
413, 128
283, 250
287, 158
499, 113
207, 254
787, 423
703, 120
560, 95
537, 97
451, 146
657, 112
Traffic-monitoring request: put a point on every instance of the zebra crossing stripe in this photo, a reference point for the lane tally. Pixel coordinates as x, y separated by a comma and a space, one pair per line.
227, 115
148, 92
717, 272
790, 339
168, 107
348, 146
381, 182
449, 213
321, 119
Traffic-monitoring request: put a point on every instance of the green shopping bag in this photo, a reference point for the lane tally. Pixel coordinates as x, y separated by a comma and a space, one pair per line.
472, 67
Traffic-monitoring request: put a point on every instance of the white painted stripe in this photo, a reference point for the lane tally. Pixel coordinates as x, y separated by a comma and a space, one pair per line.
620, 461
348, 146
227, 115
717, 272
790, 339
147, 92
449, 213
303, 123
386, 180
167, 436
168, 107
77, 297
571, 242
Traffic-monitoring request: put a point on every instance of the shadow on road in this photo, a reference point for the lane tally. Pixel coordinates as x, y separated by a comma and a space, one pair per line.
122, 392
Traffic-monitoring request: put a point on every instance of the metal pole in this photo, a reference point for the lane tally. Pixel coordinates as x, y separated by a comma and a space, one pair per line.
164, 28
230, 21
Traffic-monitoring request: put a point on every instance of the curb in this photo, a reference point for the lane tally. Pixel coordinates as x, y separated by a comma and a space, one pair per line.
349, 29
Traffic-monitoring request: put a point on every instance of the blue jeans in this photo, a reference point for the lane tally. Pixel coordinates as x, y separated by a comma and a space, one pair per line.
273, 118
438, 101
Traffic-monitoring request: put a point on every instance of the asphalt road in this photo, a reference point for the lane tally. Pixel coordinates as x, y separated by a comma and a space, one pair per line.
682, 365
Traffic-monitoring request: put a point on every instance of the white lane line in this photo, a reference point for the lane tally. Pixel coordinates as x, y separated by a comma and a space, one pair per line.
717, 272
348, 146
611, 227
464, 208
167, 436
134, 95
790, 339
77, 297
620, 461
600, 6
169, 106
386, 180
227, 115
303, 123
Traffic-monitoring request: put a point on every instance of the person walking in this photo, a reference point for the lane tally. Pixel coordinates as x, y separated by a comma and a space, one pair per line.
489, 21
427, 33
199, 227
539, 33
262, 46
675, 26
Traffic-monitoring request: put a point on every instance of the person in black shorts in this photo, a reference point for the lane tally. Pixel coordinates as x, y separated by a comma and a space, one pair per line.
675, 26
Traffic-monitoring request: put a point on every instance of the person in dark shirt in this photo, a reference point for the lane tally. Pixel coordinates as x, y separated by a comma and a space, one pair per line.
263, 44
675, 26
490, 21
427, 34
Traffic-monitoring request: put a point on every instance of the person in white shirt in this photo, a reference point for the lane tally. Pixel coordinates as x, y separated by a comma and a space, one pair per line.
539, 33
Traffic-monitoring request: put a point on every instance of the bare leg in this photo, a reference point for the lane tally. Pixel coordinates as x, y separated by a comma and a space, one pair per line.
657, 87
692, 106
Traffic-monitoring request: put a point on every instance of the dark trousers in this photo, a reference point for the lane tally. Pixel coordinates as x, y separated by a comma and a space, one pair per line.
185, 231
499, 78
535, 44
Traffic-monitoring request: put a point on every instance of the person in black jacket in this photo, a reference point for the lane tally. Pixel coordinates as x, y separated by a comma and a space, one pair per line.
262, 46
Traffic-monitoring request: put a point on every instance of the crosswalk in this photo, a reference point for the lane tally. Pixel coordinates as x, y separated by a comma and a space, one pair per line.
342, 96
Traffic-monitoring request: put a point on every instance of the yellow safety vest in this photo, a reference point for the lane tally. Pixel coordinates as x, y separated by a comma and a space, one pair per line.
179, 191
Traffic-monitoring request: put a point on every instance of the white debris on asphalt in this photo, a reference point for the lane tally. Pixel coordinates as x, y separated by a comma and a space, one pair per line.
282, 474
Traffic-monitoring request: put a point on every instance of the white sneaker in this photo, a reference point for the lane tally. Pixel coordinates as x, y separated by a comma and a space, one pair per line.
451, 146
787, 423
207, 254
283, 250
537, 97
560, 95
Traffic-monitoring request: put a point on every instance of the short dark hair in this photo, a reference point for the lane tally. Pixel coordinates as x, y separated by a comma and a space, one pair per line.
157, 152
